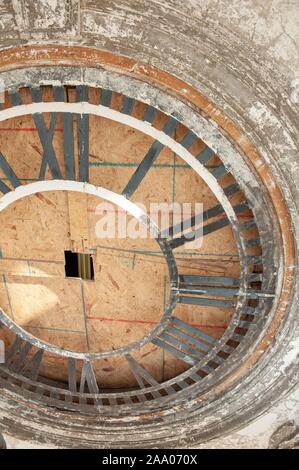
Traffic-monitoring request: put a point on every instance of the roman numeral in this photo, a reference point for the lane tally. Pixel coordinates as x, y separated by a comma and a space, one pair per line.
68, 137
88, 378
143, 377
10, 174
148, 160
184, 341
192, 288
83, 136
68, 146
49, 159
17, 359
46, 138
205, 216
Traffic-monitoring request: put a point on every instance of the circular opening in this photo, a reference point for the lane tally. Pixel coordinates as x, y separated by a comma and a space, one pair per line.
71, 281
68, 307
228, 281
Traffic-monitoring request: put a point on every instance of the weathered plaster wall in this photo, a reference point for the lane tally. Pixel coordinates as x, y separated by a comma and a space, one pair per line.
242, 54
282, 419
258, 434
271, 25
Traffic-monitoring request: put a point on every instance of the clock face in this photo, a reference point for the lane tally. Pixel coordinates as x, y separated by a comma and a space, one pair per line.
104, 322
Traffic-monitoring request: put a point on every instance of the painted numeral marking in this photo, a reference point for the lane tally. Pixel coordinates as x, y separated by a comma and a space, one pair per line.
83, 136
10, 174
18, 359
148, 161
68, 137
192, 288
88, 378
142, 376
207, 228
184, 341
46, 138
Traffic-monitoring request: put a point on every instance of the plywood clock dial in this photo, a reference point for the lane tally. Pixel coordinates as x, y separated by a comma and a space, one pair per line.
118, 323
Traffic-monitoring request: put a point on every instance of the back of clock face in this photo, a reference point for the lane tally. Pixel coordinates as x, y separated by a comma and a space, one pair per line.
139, 254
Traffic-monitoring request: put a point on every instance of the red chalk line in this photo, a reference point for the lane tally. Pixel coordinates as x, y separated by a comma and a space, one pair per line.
120, 320
25, 129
